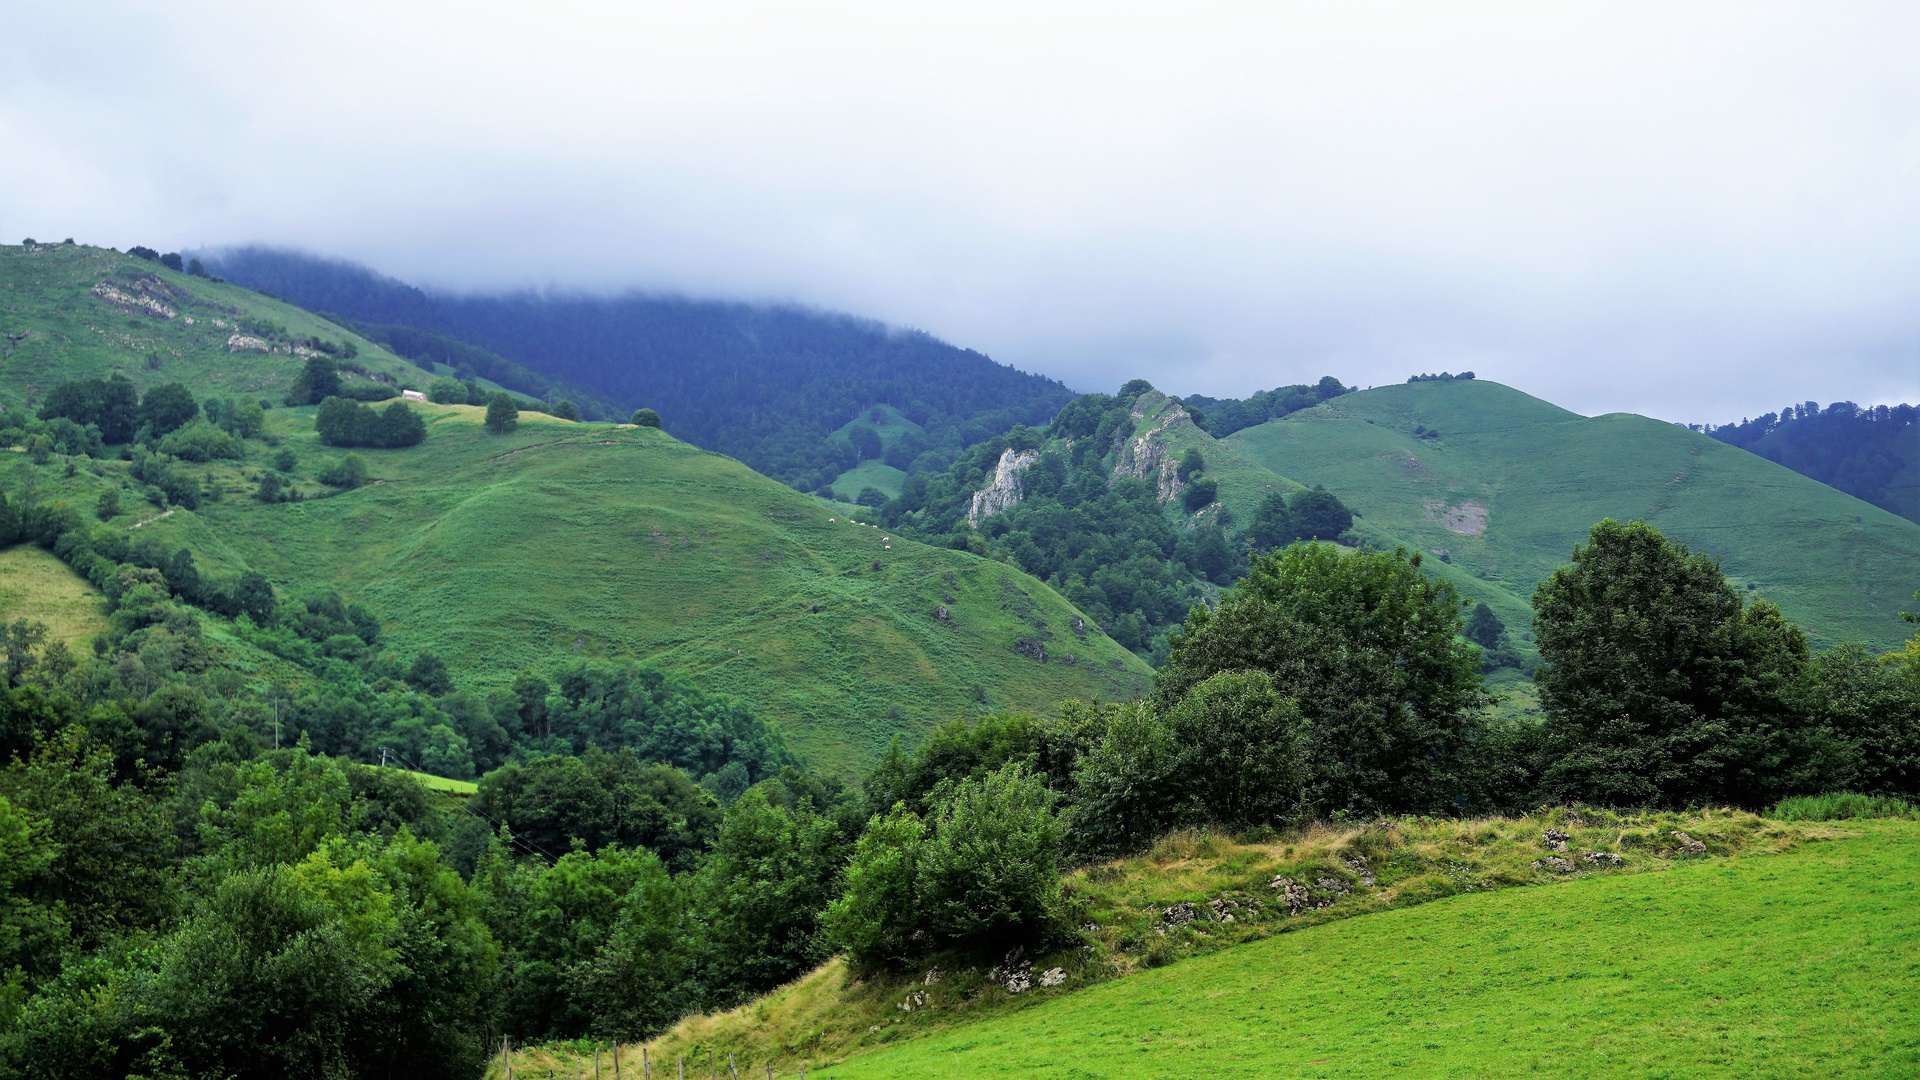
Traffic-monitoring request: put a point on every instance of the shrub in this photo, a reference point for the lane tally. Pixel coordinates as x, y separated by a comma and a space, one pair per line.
347, 472
565, 410
201, 441
871, 496
285, 461
447, 391
646, 418
1200, 494
1842, 806
167, 407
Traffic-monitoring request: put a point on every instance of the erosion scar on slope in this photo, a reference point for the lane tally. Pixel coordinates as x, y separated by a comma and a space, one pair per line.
1467, 519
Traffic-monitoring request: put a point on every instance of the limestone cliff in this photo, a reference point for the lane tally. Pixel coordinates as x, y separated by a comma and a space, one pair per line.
1144, 455
1004, 491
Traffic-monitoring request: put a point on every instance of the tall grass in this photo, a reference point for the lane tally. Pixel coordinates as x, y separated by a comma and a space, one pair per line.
1843, 806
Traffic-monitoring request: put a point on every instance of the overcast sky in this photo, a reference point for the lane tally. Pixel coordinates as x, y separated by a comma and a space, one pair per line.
1695, 211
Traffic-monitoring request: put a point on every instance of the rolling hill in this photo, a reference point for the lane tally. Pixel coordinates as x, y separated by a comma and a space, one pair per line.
562, 540
1504, 485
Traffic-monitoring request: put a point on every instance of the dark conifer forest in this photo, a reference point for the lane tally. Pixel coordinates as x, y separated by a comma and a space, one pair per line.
1872, 454
767, 385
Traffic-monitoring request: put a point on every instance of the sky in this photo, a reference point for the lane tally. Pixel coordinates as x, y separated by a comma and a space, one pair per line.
1694, 211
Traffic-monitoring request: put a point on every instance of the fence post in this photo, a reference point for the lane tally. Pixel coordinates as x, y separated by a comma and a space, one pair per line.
596, 1061
646, 1067
506, 1067
616, 1060
730, 1068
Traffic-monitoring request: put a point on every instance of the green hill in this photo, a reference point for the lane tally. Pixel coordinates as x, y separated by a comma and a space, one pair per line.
1504, 485
560, 540
503, 553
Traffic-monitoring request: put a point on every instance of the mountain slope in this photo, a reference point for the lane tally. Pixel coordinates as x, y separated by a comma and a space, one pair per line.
1506, 484
503, 553
1871, 454
72, 311
525, 551
766, 384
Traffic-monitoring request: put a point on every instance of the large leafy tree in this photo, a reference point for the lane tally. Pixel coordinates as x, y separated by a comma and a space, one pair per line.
1659, 684
1368, 647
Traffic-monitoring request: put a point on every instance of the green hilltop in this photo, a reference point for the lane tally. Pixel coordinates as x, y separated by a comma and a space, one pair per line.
560, 540
1504, 485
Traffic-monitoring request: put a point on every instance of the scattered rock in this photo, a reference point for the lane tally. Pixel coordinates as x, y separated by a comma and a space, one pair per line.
1555, 864
1689, 842
237, 342
1555, 839
1079, 627
940, 614
1358, 864
1178, 915
1031, 647
934, 975
1606, 857
1297, 897
1053, 976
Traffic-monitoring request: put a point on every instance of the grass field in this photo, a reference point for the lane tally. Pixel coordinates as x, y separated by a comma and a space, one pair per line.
38, 587
1512, 483
1789, 965
562, 541
875, 474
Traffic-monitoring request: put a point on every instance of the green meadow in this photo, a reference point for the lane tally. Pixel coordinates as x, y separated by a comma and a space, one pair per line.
1801, 964
1504, 485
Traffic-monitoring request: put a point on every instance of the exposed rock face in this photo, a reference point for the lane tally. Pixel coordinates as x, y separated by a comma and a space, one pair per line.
1144, 456
236, 342
1053, 976
130, 303
1004, 491
1178, 915
1689, 842
1555, 839
1555, 864
1603, 858
1358, 864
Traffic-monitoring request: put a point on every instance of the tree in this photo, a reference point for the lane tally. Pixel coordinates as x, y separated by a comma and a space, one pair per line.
171, 260
1201, 494
108, 506
166, 407
502, 415
317, 382
1659, 686
877, 917
1484, 627
284, 461
646, 418
429, 675
1190, 462
565, 410
196, 268
447, 391
1319, 515
871, 496
1367, 647
1272, 524
989, 876
865, 442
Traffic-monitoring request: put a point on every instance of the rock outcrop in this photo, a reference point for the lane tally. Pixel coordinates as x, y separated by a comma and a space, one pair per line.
1004, 491
1144, 455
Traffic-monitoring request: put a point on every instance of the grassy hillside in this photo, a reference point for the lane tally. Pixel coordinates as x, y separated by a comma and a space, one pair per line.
562, 540
1144, 956
73, 311
1793, 965
1511, 483
40, 588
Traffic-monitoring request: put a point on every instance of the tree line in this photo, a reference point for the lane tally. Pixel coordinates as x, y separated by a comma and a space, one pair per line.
1861, 451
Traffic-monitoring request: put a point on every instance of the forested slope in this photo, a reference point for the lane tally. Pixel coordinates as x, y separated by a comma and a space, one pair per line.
766, 384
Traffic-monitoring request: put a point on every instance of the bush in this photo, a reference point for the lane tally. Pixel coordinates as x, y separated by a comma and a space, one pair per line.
871, 496
1842, 806
201, 441
565, 410
285, 461
646, 418
317, 382
1200, 494
447, 391
167, 407
347, 472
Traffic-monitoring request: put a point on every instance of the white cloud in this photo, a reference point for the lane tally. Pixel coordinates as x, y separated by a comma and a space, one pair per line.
1696, 211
